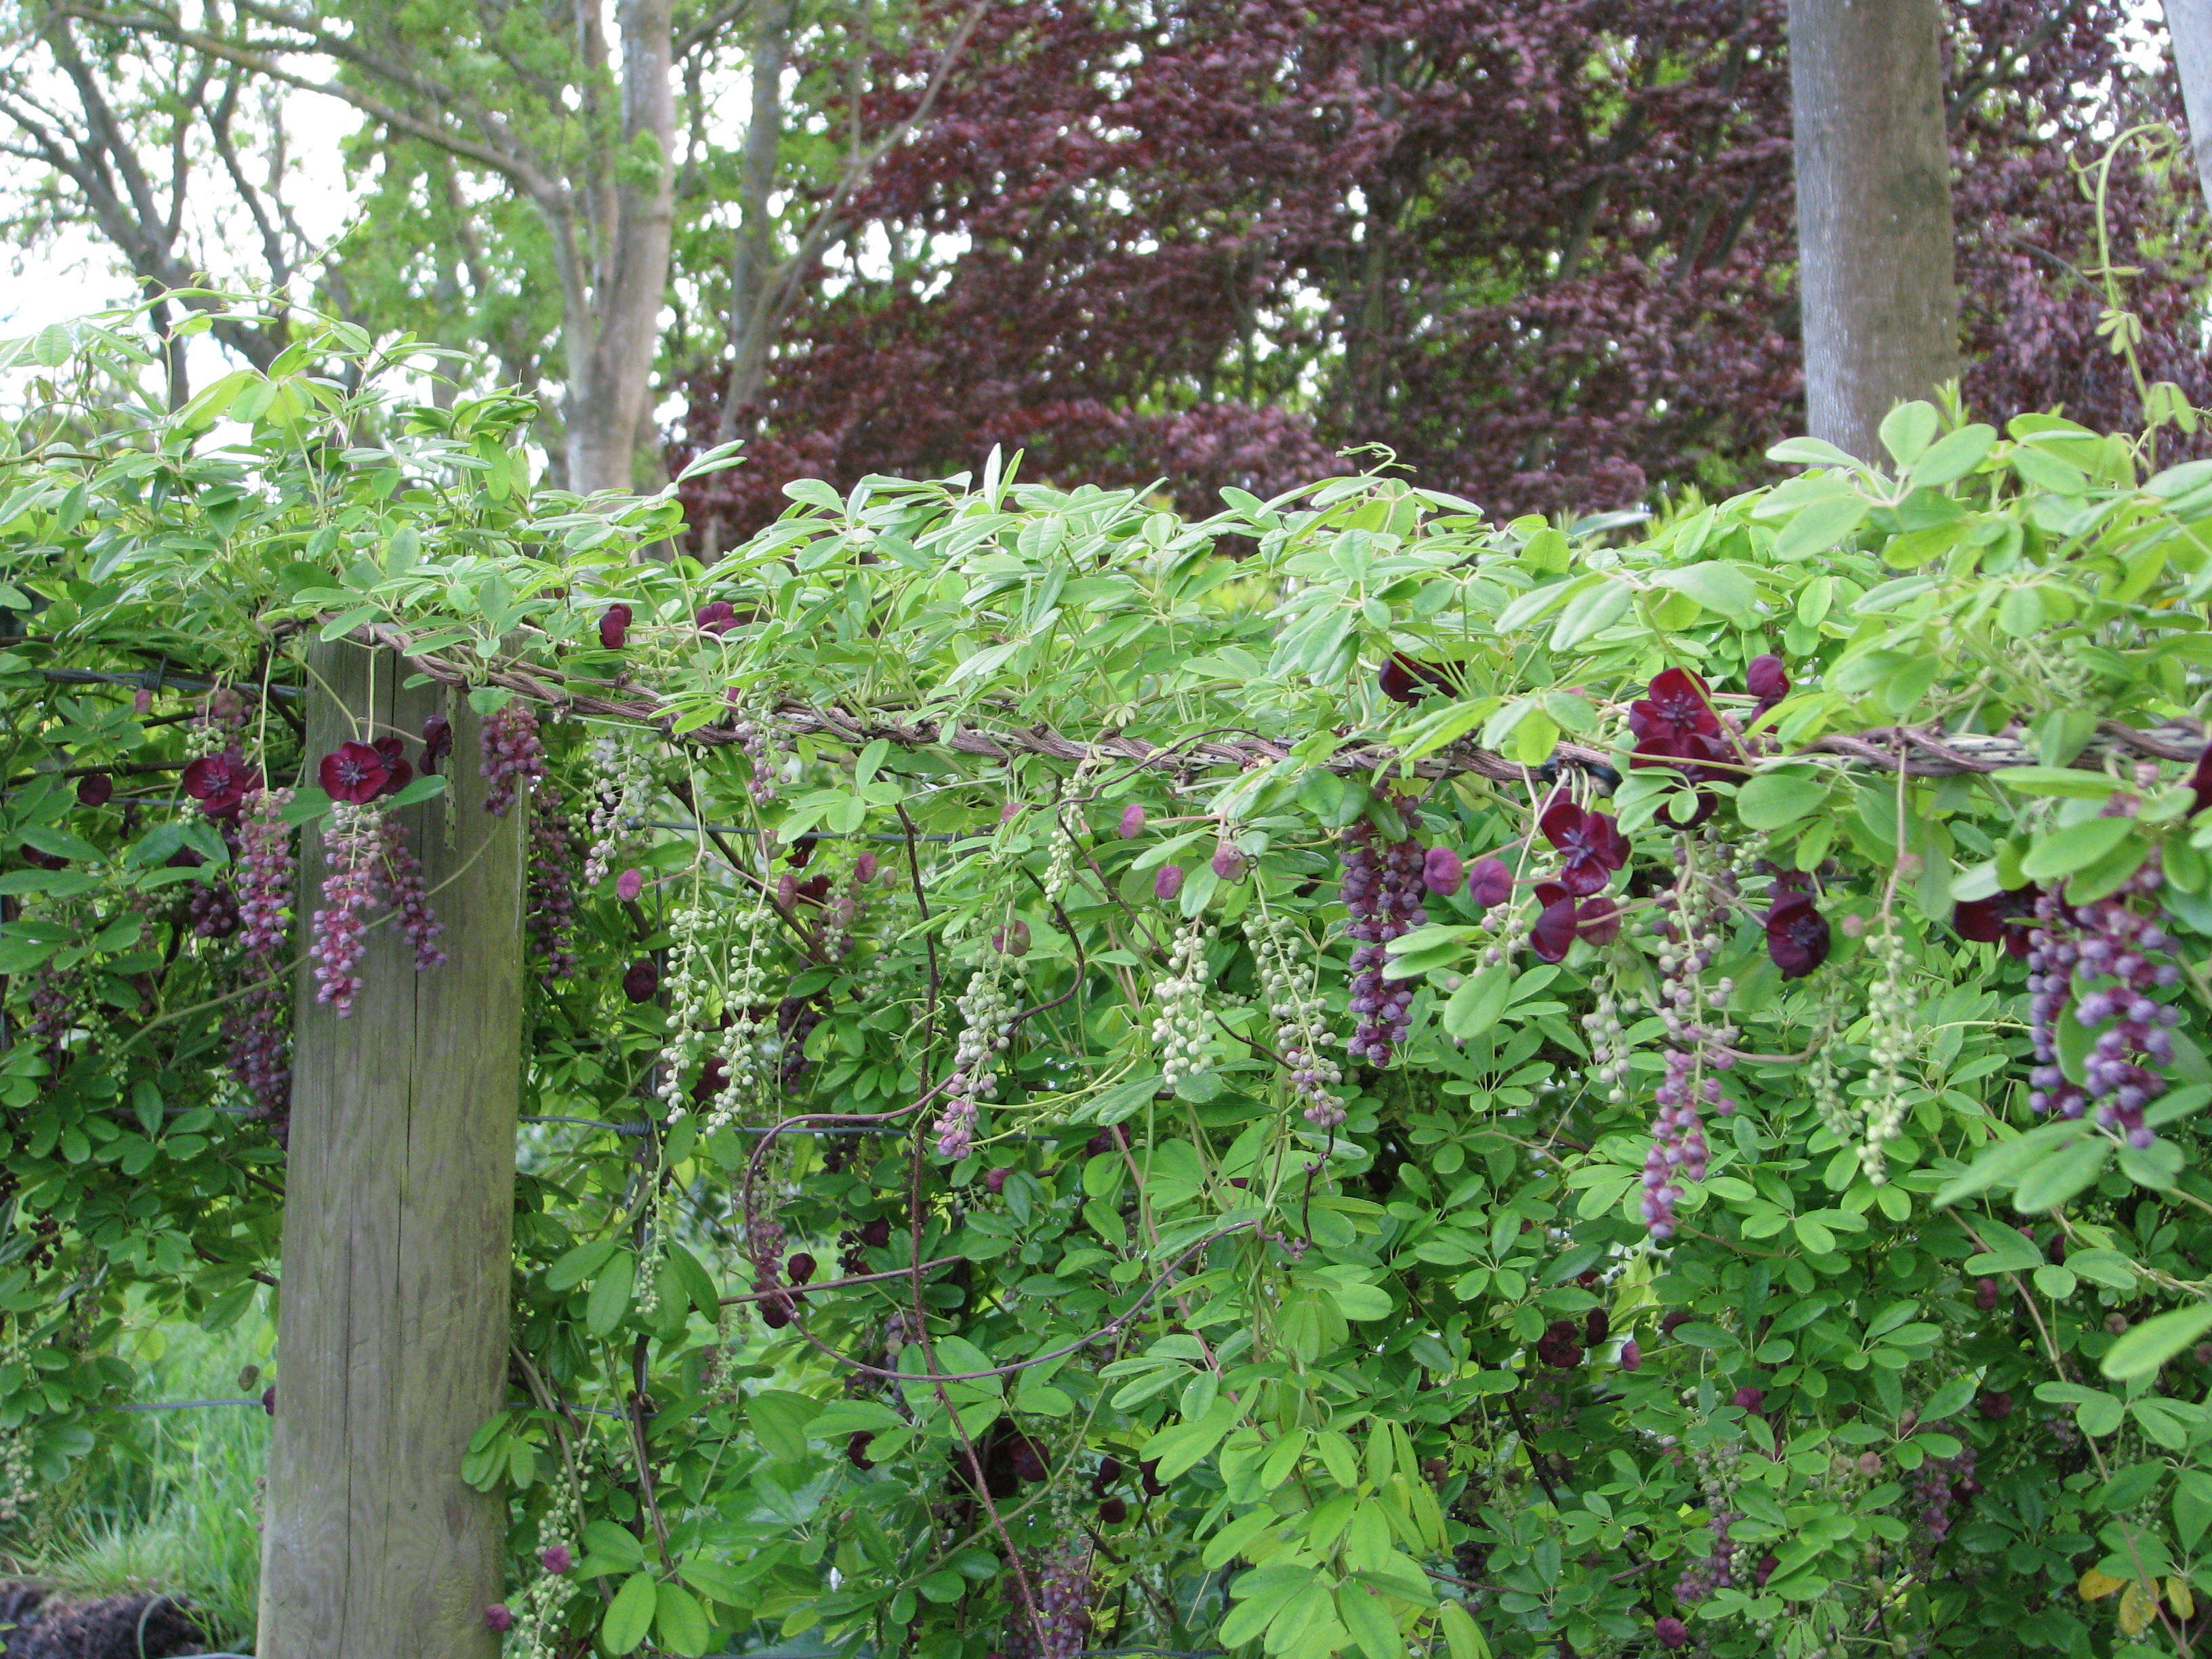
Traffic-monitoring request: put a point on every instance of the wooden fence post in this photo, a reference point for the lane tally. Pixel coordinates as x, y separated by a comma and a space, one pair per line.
400, 1201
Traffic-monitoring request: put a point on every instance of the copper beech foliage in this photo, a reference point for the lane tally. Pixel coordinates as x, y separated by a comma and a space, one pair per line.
1541, 249
1334, 1076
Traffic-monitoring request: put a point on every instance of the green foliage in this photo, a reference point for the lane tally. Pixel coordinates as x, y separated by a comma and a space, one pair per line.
1237, 1372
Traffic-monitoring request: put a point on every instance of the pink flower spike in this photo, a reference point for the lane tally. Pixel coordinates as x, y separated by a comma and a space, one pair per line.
630, 884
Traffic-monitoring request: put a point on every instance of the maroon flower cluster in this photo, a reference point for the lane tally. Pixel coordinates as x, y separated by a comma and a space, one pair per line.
1591, 850
550, 887
254, 1029
1382, 891
359, 772
513, 755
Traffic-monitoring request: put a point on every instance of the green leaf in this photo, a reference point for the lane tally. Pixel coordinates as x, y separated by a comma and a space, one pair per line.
2062, 852
1807, 451
1907, 430
578, 1265
1774, 798
2061, 1175
2057, 781
1461, 1634
1370, 1622
425, 787
630, 1615
609, 1302
1952, 459
779, 1418
679, 1623
1820, 526
1481, 998
2143, 1348
2005, 1163
1721, 588
1952, 1398
1590, 611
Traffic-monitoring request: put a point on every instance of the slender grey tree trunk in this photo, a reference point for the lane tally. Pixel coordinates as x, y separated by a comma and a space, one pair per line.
752, 269
612, 344
2190, 22
1874, 211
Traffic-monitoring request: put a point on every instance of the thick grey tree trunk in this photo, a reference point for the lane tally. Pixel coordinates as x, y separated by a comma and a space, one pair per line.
1874, 211
2190, 22
398, 1207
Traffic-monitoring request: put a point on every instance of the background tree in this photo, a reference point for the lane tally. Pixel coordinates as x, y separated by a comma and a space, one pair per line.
1880, 313
1542, 249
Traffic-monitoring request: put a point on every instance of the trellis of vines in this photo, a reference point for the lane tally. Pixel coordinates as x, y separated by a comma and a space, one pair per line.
1333, 1077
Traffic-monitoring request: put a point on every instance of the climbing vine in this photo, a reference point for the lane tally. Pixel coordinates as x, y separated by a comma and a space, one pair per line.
1333, 1077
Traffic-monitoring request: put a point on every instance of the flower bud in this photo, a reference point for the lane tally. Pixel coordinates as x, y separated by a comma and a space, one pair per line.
863, 869
555, 1560
630, 884
1168, 883
1228, 863
613, 627
643, 983
799, 1269
1132, 822
498, 1618
1489, 882
1631, 1355
95, 789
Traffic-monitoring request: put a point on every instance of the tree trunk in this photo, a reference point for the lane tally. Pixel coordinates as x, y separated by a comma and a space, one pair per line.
613, 340
753, 267
393, 1328
2190, 22
1874, 211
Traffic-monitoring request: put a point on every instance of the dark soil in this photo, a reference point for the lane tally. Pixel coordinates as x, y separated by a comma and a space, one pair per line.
35, 1626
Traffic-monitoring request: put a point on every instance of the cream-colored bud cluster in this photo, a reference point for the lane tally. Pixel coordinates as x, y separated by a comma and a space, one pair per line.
1289, 981
1891, 1039
1180, 1031
619, 786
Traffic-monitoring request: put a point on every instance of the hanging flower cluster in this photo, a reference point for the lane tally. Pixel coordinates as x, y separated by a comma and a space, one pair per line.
370, 862
255, 1030
1382, 891
514, 755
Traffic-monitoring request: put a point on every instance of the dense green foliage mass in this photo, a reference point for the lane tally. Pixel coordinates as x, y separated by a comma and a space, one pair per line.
972, 888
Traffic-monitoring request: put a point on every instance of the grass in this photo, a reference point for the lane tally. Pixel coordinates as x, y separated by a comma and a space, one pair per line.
170, 1500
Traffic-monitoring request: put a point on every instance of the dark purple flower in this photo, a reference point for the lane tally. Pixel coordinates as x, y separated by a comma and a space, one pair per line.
499, 1617
856, 1450
555, 1560
1555, 923
95, 789
397, 771
1591, 844
1676, 704
800, 1268
717, 616
1557, 1348
1752, 1400
1671, 1631
437, 742
1631, 1355
1598, 920
34, 857
220, 783
1597, 1326
1797, 935
1168, 883
643, 983
1408, 679
1765, 678
1490, 882
613, 627
2199, 782
863, 869
353, 772
2000, 919
1441, 870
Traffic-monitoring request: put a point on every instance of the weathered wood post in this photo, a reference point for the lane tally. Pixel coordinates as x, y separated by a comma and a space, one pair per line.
399, 1197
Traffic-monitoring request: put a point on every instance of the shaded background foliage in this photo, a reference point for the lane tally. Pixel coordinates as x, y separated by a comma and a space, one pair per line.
1542, 249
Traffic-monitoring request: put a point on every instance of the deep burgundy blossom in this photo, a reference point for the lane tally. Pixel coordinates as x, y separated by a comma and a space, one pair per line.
396, 772
1490, 882
643, 983
437, 742
1675, 703
1591, 846
716, 617
353, 772
1557, 1348
220, 783
1556, 923
1598, 920
613, 627
2199, 782
1767, 679
1797, 935
95, 789
32, 856
2002, 918
1408, 679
